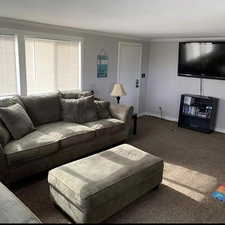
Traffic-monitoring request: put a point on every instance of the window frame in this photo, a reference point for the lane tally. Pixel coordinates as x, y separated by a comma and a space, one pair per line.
17, 67
20, 36
59, 38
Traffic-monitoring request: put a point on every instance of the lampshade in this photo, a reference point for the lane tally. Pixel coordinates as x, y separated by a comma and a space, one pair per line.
118, 90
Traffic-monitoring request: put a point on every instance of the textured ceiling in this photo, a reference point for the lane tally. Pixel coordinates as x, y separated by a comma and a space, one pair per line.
140, 18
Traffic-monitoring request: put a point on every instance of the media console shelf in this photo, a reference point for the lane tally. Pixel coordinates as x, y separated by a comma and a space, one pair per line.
198, 112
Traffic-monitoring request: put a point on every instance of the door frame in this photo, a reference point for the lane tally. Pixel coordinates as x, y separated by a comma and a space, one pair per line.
121, 43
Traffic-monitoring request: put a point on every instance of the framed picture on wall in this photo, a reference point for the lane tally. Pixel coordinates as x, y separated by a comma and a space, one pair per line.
102, 65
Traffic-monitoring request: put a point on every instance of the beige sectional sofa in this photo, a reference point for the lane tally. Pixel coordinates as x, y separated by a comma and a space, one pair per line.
55, 142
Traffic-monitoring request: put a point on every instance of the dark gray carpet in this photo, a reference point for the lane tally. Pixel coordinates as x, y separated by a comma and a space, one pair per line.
194, 167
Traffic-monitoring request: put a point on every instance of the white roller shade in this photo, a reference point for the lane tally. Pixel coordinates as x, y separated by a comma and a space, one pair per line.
52, 65
8, 68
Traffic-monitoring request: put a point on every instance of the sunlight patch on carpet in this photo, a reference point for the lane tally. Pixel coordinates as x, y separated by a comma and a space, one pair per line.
191, 183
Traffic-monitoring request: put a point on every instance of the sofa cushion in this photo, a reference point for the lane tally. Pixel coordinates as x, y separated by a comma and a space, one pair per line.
67, 133
4, 135
79, 110
103, 109
106, 126
43, 108
32, 146
16, 120
6, 101
74, 94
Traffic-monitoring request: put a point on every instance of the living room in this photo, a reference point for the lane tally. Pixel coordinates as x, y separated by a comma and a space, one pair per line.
112, 112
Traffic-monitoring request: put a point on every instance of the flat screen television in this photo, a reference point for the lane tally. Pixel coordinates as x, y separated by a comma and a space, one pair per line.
202, 59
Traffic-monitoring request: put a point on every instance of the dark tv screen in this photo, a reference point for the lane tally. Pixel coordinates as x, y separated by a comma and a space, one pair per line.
202, 59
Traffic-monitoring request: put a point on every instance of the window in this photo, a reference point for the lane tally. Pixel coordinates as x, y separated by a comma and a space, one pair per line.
52, 65
8, 65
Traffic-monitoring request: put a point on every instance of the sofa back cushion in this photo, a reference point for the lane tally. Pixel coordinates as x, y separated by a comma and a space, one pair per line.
74, 94
16, 120
80, 110
43, 108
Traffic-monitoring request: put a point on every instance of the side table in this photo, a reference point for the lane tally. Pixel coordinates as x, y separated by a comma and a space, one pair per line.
134, 117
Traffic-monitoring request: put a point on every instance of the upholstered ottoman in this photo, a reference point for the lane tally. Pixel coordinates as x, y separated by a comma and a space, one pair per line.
92, 189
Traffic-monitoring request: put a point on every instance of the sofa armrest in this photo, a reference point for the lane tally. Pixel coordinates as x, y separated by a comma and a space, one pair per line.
121, 112
3, 165
124, 113
13, 210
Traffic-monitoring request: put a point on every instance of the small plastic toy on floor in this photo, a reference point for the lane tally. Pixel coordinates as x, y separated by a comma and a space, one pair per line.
220, 193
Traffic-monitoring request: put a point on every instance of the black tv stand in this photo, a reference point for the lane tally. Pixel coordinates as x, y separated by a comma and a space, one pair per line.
198, 112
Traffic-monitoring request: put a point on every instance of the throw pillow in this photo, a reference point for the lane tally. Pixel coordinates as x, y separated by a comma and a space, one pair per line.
103, 109
4, 135
69, 109
80, 110
16, 120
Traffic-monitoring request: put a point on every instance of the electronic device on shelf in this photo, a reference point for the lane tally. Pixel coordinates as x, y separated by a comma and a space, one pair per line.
198, 112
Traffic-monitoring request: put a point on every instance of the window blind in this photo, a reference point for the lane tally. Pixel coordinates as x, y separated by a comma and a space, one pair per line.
52, 65
8, 68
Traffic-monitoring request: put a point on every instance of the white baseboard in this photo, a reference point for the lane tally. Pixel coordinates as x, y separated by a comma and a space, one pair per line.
164, 117
142, 114
158, 116
221, 130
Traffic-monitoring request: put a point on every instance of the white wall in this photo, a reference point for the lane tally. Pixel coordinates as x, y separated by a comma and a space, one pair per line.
93, 43
165, 87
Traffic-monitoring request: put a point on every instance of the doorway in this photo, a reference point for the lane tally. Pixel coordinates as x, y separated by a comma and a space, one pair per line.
129, 72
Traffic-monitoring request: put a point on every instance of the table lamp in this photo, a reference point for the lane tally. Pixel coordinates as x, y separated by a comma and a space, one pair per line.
118, 91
